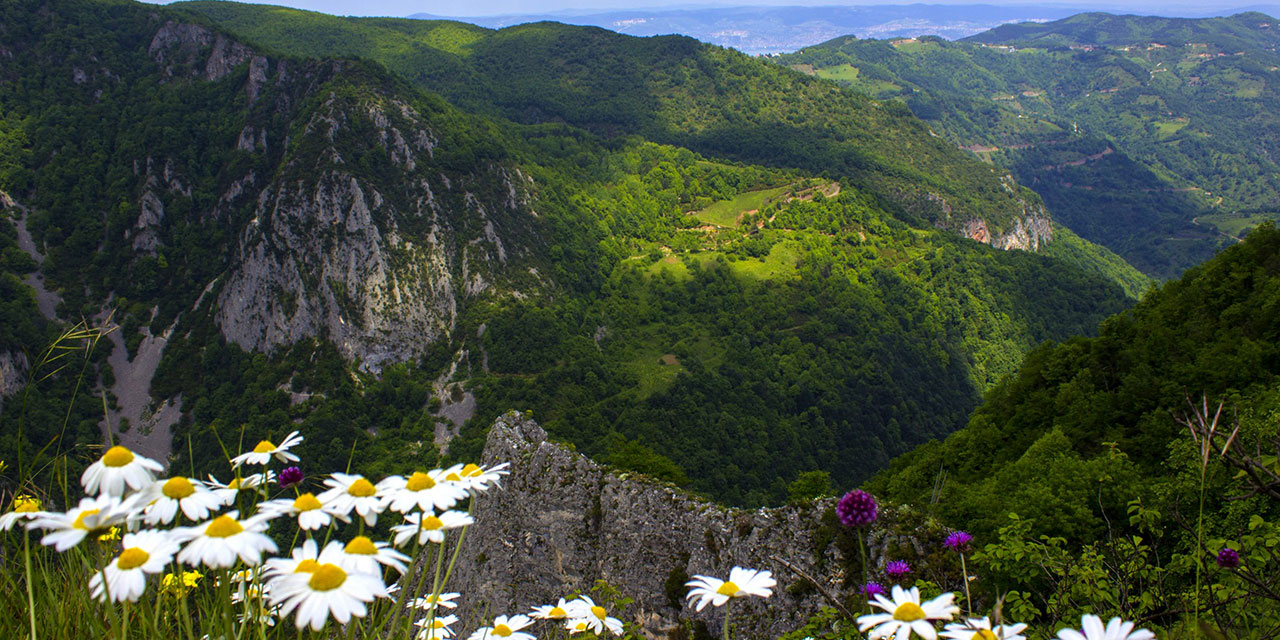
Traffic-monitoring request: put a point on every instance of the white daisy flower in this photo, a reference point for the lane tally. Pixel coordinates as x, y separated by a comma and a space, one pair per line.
557, 611
116, 469
742, 582
166, 497
586, 611
906, 614
430, 527
1117, 629
227, 492
576, 626
311, 513
323, 588
430, 602
265, 450
352, 491
92, 514
473, 477
25, 507
142, 553
363, 555
981, 629
434, 628
308, 552
428, 491
504, 628
217, 543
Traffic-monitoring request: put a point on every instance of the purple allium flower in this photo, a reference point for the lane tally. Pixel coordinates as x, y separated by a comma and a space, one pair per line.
958, 541
290, 476
1228, 558
873, 589
897, 568
856, 508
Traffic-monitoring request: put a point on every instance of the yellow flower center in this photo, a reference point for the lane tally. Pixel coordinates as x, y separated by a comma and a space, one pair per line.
728, 589
26, 504
437, 624
599, 612
79, 523
306, 502
223, 526
327, 577
471, 471
264, 446
453, 477
557, 612
235, 484
985, 634
419, 481
178, 488
432, 523
307, 566
132, 558
361, 488
117, 456
908, 612
502, 630
362, 545
581, 626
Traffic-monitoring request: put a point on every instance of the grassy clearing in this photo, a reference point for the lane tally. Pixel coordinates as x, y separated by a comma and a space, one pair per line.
1167, 128
1235, 224
779, 264
725, 213
843, 72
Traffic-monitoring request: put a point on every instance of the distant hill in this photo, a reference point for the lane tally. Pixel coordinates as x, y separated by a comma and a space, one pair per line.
1153, 136
784, 28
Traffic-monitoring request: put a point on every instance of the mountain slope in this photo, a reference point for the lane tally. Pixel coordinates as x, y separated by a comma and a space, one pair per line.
1139, 138
670, 90
316, 244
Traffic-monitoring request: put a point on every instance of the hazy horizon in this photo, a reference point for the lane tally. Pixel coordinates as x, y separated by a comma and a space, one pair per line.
480, 8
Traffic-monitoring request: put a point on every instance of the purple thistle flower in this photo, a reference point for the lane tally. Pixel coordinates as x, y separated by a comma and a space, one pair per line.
896, 568
958, 541
1228, 558
873, 589
856, 508
290, 476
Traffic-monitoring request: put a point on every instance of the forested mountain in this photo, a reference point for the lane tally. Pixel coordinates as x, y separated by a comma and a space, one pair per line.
686, 265
1086, 452
670, 90
1152, 136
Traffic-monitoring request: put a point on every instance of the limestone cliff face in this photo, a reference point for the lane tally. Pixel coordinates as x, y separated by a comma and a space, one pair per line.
560, 522
356, 232
1029, 228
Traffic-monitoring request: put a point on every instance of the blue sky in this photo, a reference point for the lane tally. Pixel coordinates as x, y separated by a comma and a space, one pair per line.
497, 7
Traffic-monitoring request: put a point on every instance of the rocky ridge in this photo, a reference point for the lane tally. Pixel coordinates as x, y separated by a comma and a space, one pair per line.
561, 522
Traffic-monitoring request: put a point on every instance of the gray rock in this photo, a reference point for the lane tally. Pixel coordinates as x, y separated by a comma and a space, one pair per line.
560, 522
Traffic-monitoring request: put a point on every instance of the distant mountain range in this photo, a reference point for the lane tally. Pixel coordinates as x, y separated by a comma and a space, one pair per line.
779, 29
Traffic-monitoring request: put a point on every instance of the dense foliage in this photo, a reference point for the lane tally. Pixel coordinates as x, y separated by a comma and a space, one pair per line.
1183, 106
1083, 454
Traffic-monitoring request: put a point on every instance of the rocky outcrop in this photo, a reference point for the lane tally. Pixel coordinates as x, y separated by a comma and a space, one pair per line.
357, 235
13, 373
561, 522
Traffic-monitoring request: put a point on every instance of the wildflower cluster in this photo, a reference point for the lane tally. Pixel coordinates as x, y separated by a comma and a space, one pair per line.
183, 526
